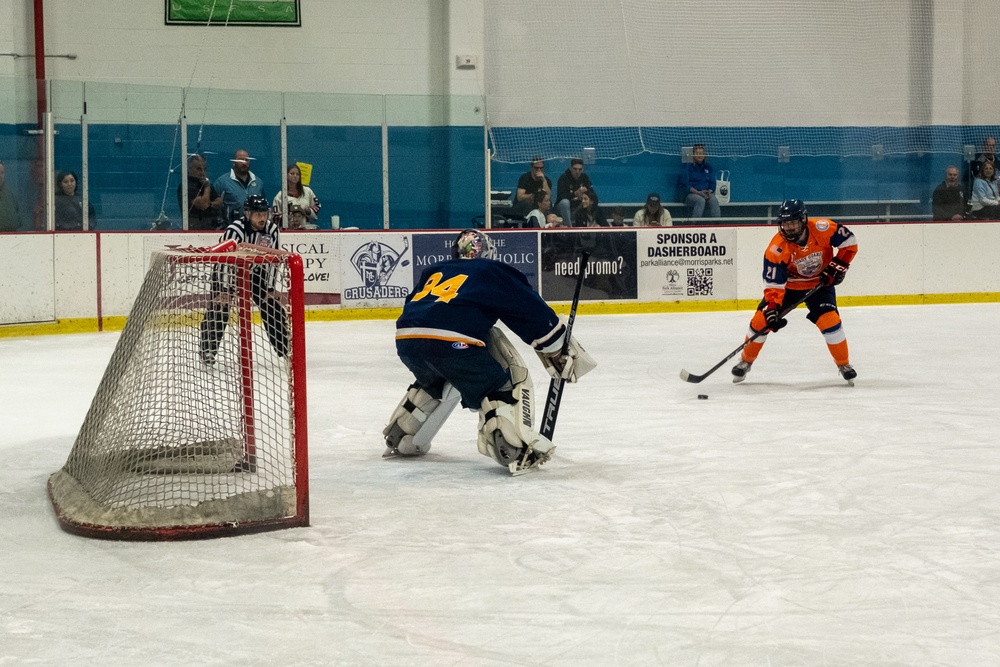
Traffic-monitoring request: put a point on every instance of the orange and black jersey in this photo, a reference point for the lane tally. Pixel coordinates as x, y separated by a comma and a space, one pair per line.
791, 266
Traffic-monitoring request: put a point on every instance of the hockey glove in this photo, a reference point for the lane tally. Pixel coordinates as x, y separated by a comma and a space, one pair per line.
835, 271
572, 366
773, 317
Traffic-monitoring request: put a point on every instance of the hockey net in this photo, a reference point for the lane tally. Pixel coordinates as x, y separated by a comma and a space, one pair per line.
183, 443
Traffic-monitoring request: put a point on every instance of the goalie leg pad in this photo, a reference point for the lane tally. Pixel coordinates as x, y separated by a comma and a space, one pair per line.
506, 434
417, 419
506, 416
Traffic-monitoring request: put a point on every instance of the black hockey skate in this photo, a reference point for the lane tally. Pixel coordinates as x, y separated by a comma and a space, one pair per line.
740, 371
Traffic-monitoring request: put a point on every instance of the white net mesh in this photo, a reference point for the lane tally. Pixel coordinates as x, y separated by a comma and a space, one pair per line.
842, 78
193, 423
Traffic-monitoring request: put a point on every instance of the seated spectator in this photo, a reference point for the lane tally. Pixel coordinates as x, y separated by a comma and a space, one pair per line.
204, 203
989, 154
530, 182
949, 198
542, 215
588, 213
652, 214
570, 187
10, 208
303, 206
69, 205
698, 185
618, 217
985, 198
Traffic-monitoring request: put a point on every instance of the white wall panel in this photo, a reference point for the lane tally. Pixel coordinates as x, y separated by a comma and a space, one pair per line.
27, 283
75, 275
343, 46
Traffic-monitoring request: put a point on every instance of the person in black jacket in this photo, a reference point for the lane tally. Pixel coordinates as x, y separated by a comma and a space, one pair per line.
949, 198
570, 187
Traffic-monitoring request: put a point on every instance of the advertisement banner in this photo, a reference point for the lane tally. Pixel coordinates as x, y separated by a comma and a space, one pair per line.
687, 265
517, 248
318, 260
374, 270
611, 270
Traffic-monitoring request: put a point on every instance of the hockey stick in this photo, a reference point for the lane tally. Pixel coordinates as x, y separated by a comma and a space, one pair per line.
689, 377
554, 396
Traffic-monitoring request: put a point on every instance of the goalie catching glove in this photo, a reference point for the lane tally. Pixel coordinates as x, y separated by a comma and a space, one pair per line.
835, 272
571, 366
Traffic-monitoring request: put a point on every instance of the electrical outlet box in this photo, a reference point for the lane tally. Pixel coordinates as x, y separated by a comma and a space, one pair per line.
466, 62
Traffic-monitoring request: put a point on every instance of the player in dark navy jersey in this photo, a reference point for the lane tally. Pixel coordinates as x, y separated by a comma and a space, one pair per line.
254, 227
447, 338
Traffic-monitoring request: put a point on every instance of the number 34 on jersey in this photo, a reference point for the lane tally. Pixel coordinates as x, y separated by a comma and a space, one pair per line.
442, 291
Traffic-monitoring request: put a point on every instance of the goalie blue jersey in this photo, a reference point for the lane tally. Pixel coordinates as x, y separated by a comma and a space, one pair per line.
457, 301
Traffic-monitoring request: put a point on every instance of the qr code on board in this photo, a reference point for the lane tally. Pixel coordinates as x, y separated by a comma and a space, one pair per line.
699, 282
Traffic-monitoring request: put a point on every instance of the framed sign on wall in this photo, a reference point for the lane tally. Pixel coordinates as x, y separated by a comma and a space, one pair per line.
233, 12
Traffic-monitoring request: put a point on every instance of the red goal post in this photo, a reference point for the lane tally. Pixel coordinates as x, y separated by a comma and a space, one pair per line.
198, 428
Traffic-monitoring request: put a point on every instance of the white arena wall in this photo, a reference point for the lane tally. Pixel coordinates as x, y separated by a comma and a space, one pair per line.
398, 47
87, 281
408, 47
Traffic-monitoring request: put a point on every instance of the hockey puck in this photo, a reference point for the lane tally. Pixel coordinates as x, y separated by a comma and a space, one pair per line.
703, 397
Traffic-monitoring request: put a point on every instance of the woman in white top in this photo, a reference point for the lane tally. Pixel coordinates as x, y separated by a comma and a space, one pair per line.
303, 206
652, 214
985, 198
542, 215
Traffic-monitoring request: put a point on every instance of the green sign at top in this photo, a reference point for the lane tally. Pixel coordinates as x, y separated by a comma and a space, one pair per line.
233, 12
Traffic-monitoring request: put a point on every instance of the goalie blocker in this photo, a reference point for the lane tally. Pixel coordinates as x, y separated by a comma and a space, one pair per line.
447, 338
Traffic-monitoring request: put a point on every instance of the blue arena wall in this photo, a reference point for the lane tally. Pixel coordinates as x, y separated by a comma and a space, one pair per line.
436, 173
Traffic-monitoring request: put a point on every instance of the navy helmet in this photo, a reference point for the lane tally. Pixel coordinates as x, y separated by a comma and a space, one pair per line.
256, 203
792, 209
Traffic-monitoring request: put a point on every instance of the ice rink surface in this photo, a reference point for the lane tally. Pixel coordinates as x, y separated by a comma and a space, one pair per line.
789, 520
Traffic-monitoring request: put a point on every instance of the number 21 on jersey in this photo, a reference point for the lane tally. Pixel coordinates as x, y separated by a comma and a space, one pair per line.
444, 291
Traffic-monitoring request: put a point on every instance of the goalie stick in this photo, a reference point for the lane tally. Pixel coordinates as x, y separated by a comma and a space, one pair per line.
690, 377
554, 397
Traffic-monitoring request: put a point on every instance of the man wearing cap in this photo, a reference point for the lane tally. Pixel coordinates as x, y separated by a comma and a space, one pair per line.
237, 185
652, 214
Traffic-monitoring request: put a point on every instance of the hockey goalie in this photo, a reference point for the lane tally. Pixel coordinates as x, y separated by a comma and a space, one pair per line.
447, 338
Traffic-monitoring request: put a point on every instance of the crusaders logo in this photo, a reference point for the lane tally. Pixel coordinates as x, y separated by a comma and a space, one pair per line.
375, 262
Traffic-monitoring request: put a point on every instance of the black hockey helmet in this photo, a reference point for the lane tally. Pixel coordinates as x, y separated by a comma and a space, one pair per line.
789, 211
256, 203
472, 243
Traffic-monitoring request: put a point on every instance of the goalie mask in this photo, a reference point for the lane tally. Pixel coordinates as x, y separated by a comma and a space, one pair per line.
792, 218
472, 243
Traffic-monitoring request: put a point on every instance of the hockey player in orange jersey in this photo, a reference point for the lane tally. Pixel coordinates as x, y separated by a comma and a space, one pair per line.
798, 258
